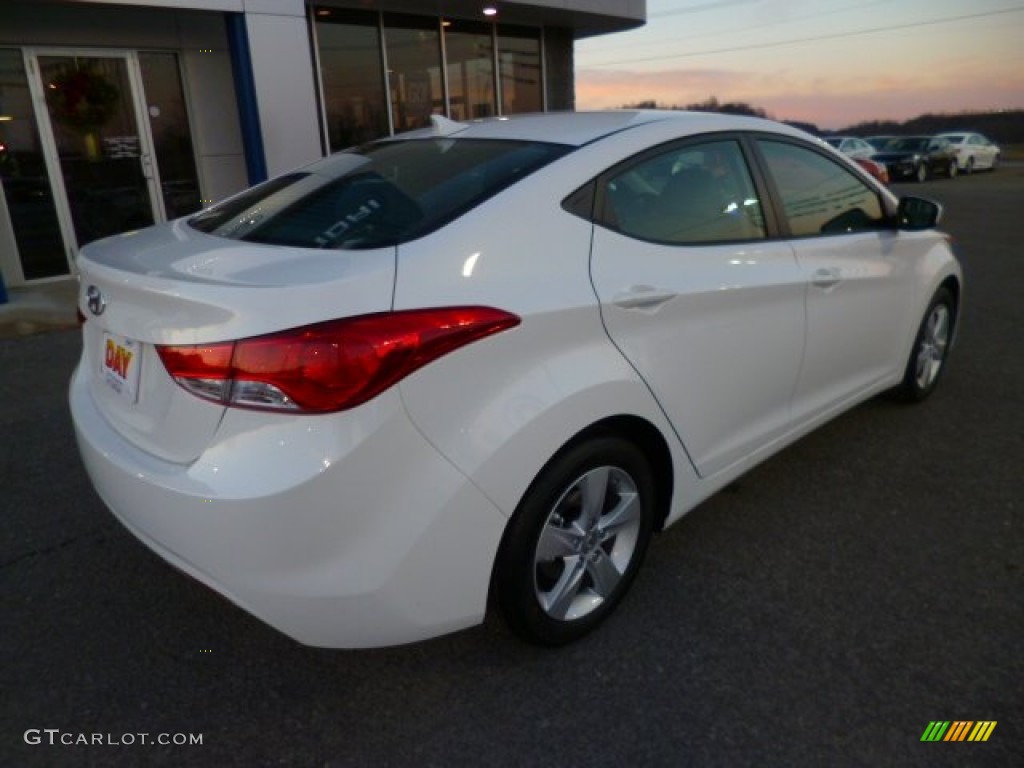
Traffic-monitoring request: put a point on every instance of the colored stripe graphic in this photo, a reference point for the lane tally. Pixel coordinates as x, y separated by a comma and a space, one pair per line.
982, 730
958, 730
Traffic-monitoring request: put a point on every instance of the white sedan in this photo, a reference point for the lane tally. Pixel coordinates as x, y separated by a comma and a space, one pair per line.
486, 361
852, 146
974, 152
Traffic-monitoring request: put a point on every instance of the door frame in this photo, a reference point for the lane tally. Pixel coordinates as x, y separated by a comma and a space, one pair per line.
149, 169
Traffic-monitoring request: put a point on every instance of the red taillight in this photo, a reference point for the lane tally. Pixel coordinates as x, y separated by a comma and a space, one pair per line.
329, 366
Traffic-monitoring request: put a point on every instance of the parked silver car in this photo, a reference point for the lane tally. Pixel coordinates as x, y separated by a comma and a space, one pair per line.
974, 152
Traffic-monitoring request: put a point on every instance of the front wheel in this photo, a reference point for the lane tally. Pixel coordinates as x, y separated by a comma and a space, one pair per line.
931, 347
576, 541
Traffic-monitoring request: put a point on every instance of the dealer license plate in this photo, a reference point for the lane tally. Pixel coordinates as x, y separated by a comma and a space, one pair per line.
121, 363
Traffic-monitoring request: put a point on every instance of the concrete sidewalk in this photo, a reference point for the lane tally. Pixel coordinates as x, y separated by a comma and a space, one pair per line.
39, 307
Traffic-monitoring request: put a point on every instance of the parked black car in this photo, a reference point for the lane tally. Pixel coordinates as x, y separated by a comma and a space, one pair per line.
918, 157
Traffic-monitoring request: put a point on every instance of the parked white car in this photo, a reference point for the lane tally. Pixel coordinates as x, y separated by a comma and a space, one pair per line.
852, 146
974, 152
488, 360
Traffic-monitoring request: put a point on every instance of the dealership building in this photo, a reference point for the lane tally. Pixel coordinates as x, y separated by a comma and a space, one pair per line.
123, 113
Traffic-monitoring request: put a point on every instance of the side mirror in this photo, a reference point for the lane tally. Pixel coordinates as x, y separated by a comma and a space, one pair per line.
916, 213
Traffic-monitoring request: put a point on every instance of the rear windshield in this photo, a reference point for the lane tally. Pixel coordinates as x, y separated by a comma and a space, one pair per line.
377, 195
908, 145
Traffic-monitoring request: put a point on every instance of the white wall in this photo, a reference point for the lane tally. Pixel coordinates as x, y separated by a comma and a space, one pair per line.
282, 65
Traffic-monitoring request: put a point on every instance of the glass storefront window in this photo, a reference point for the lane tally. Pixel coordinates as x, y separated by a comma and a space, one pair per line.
414, 70
520, 68
26, 184
356, 85
172, 138
352, 75
469, 49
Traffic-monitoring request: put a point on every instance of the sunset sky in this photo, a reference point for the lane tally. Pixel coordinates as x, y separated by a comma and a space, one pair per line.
828, 62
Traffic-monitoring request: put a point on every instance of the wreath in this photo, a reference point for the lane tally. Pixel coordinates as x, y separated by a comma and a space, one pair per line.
82, 99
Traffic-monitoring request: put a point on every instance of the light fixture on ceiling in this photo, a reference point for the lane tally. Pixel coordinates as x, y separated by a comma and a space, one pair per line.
490, 10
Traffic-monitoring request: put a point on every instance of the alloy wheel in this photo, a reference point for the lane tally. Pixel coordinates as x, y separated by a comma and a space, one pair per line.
587, 543
931, 353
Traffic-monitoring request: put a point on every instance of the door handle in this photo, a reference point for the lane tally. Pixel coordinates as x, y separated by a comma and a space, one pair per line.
826, 278
642, 297
147, 165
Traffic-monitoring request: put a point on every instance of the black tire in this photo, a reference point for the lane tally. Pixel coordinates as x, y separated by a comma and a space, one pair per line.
555, 556
931, 348
921, 172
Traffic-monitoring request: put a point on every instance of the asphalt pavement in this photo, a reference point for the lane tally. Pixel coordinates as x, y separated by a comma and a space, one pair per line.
823, 611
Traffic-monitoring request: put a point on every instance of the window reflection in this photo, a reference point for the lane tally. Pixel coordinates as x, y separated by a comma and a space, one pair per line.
469, 49
368, 57
414, 70
353, 77
819, 196
520, 68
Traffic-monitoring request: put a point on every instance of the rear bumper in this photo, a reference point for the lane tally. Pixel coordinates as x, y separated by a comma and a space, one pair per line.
292, 519
901, 170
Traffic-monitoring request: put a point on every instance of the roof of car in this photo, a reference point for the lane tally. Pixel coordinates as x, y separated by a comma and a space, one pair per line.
579, 128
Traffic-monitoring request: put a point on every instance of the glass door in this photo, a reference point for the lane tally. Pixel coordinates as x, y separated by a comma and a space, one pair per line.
171, 132
92, 143
101, 145
31, 246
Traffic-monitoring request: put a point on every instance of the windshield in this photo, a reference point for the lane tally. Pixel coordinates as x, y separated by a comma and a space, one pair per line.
377, 195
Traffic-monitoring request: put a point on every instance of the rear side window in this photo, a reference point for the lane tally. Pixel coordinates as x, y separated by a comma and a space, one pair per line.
378, 195
698, 193
819, 197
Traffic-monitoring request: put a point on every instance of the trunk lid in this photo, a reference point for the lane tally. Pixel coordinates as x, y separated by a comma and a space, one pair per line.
174, 285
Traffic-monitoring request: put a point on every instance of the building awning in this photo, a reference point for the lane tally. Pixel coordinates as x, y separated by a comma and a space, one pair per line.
585, 18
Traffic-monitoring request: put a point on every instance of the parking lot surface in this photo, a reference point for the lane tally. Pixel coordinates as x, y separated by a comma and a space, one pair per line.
821, 612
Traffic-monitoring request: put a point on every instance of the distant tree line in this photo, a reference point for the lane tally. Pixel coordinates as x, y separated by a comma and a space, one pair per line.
709, 105
1005, 127
1002, 127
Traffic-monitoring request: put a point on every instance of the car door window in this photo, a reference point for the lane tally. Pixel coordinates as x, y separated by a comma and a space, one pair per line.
700, 193
818, 196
